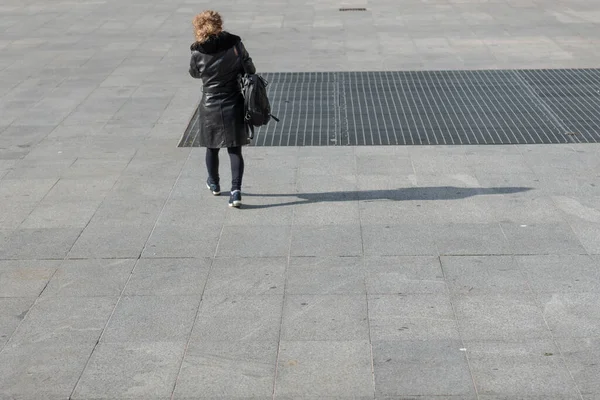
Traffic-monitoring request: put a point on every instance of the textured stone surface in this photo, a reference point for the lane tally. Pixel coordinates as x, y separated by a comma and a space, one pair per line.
329, 318
227, 370
524, 368
409, 368
152, 319
301, 365
131, 371
118, 267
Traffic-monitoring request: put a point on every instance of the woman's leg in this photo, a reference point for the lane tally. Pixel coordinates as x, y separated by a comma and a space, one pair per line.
212, 165
237, 167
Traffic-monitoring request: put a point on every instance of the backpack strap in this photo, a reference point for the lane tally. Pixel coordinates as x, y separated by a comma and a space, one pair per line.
238, 52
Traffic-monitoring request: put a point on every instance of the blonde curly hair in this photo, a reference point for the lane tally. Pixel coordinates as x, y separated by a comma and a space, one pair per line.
206, 24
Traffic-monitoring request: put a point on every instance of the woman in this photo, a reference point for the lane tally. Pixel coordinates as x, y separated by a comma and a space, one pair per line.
217, 58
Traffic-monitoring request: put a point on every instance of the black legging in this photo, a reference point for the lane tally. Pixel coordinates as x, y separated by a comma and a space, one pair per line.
237, 166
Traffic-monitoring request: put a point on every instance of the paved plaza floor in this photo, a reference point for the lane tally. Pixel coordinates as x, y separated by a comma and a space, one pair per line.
351, 272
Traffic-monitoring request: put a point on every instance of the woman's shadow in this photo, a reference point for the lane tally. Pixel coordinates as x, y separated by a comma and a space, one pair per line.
401, 194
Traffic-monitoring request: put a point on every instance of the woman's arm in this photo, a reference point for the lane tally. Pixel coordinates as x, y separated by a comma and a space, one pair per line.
194, 70
247, 60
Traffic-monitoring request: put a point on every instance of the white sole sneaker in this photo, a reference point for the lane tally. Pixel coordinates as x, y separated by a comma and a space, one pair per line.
214, 193
236, 202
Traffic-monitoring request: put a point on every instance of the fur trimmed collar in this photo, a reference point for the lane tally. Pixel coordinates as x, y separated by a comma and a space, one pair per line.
216, 43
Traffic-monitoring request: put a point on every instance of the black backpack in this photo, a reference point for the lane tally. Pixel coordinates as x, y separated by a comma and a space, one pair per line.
257, 109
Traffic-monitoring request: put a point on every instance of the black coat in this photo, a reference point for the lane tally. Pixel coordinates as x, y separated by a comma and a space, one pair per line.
221, 110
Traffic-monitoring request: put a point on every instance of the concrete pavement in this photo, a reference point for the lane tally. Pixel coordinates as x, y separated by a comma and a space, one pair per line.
464, 272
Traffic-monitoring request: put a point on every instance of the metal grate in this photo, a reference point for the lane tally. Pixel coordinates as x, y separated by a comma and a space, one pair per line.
571, 97
353, 9
430, 107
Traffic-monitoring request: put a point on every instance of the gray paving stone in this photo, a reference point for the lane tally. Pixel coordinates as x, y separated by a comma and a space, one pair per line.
383, 164
420, 368
325, 397
581, 356
50, 243
561, 273
398, 240
142, 190
322, 240
246, 276
20, 278
445, 186
32, 190
410, 287
240, 318
340, 163
111, 240
588, 234
19, 138
42, 371
572, 315
168, 277
557, 238
74, 215
233, 370
188, 191
325, 275
404, 275
327, 187
145, 168
254, 241
525, 397
328, 318
525, 209
273, 211
169, 240
484, 275
28, 169
504, 180
90, 278
7, 165
151, 319
555, 184
433, 160
64, 320
128, 209
470, 239
97, 146
508, 163
502, 316
329, 213
301, 364
312, 209
131, 371
79, 190
12, 312
388, 211
411, 317
523, 368
582, 208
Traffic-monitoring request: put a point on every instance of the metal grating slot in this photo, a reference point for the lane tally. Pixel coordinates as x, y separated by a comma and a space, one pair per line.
430, 108
572, 97
307, 107
353, 9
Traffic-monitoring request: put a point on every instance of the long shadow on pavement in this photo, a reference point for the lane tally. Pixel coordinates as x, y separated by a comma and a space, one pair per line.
402, 194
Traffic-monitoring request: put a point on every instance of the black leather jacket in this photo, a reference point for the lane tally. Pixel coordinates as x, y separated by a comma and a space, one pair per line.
221, 111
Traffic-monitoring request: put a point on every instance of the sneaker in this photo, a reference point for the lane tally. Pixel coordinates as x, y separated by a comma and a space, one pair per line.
214, 188
235, 200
